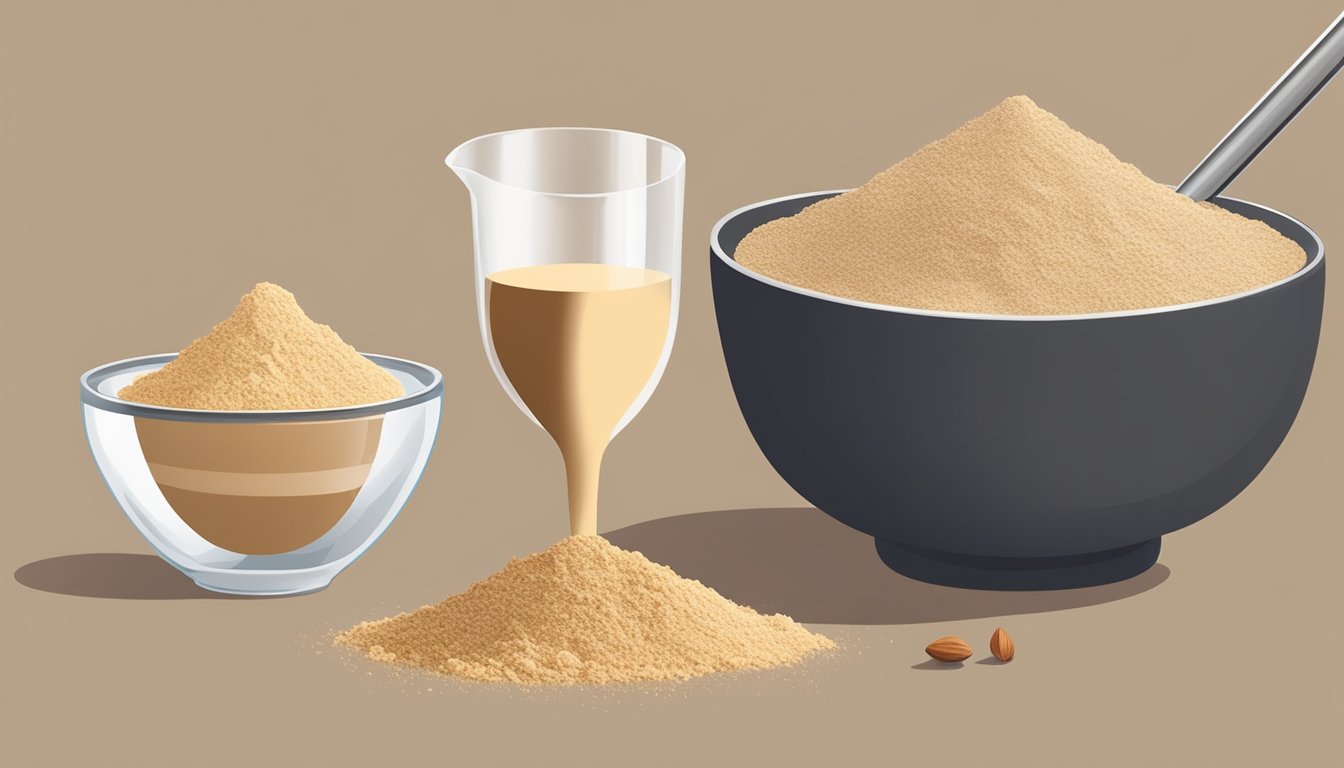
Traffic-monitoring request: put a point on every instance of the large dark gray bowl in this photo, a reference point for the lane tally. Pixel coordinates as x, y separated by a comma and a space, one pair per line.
1016, 452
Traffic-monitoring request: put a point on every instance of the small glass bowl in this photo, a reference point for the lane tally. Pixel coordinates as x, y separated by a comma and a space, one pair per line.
261, 502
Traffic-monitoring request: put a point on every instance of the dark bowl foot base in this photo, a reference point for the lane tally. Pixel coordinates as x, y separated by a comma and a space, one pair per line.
1019, 573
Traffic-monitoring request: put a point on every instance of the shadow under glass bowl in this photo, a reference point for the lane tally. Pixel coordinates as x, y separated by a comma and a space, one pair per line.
1016, 452
261, 502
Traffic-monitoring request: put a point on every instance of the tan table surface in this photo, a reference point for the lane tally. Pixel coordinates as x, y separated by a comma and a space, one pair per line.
158, 159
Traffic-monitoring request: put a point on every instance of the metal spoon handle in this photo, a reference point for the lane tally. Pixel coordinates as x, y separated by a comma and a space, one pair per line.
1276, 108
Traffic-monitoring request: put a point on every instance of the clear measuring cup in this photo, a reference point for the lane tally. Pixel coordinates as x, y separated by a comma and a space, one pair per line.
577, 235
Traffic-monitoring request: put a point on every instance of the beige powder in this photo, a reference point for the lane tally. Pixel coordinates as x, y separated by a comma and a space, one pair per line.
585, 611
578, 343
268, 355
1016, 213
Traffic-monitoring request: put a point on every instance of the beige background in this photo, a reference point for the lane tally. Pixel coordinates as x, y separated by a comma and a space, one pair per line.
158, 159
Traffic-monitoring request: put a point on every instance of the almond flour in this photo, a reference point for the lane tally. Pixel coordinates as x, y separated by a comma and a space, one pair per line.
268, 355
584, 611
1016, 213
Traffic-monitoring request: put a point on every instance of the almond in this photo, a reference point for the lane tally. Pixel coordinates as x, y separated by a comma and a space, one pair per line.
949, 649
1001, 645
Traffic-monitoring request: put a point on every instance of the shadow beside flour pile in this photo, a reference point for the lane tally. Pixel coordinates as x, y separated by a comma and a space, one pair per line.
799, 562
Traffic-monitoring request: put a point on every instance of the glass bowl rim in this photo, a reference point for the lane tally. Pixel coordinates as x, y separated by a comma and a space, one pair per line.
430, 378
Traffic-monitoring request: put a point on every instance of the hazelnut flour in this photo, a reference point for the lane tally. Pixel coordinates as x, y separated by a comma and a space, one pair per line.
1017, 213
585, 611
268, 355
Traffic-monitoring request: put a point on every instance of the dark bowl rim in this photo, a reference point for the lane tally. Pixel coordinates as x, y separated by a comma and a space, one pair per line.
1311, 266
430, 378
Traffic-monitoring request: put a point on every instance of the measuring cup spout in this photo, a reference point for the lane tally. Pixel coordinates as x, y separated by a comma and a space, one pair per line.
485, 163
459, 162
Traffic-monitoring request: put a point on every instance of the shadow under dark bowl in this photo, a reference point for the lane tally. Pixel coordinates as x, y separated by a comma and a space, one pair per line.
1016, 452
